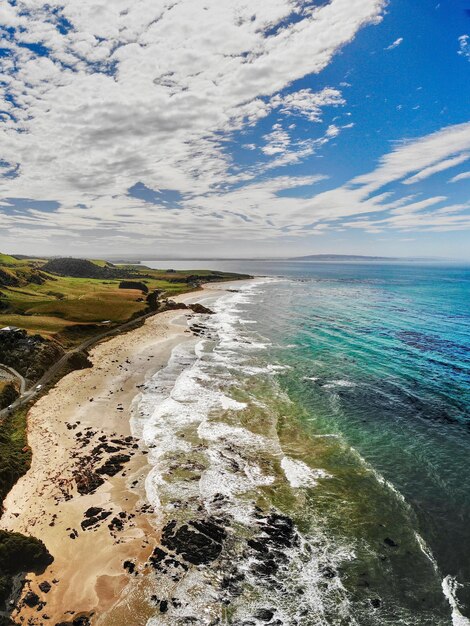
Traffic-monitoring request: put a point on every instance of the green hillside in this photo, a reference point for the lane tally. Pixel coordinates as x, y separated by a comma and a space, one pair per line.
6, 259
68, 299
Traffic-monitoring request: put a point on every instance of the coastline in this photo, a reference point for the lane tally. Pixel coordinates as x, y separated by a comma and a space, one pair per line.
84, 494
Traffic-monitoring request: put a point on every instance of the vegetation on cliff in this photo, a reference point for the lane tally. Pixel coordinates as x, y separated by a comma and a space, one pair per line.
30, 355
9, 391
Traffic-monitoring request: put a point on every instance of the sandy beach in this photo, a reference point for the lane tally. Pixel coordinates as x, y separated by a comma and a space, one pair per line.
84, 494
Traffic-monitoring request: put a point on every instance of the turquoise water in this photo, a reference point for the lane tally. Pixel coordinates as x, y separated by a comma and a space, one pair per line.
371, 386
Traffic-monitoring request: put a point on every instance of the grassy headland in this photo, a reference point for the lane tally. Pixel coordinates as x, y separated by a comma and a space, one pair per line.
68, 299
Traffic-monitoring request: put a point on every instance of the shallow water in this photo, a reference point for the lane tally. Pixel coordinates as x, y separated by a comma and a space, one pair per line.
321, 425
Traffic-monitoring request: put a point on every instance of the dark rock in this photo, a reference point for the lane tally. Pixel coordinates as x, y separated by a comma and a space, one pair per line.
157, 557
267, 567
198, 546
163, 606
90, 521
280, 530
258, 546
88, 482
82, 620
93, 511
171, 305
31, 599
116, 524
200, 308
209, 528
232, 582
45, 586
129, 566
113, 465
265, 615
30, 355
390, 543
96, 519
375, 602
104, 447
328, 572
277, 534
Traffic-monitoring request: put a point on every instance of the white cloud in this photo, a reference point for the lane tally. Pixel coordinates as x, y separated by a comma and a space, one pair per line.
364, 194
458, 177
154, 90
182, 74
277, 141
438, 167
417, 155
308, 103
395, 44
464, 46
332, 131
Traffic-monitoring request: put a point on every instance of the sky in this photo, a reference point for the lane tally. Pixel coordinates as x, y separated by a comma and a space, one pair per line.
235, 128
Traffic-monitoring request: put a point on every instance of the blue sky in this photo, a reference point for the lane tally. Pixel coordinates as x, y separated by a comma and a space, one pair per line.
238, 129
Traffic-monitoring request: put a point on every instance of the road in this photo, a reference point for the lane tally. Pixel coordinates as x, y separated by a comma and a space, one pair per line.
26, 395
17, 375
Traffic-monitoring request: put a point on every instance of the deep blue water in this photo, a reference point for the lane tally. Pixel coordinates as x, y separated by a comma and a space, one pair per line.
378, 359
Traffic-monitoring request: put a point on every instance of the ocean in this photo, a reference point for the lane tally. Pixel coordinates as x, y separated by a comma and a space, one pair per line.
315, 439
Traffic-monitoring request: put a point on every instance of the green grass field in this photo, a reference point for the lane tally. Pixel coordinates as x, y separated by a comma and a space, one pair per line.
69, 309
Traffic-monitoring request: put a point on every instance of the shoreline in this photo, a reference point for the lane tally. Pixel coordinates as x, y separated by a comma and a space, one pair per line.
84, 494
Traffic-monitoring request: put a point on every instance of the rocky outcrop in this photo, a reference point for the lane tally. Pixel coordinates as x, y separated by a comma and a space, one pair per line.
113, 465
170, 305
200, 308
20, 554
194, 279
197, 542
18, 276
277, 533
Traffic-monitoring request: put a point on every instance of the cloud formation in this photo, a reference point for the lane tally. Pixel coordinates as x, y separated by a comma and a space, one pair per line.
395, 44
101, 98
464, 46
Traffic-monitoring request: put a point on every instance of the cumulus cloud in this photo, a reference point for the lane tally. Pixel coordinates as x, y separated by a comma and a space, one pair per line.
141, 87
308, 103
98, 96
277, 141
